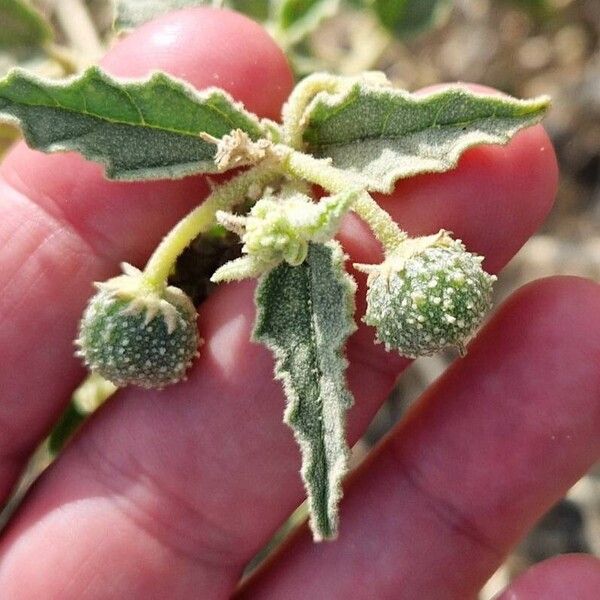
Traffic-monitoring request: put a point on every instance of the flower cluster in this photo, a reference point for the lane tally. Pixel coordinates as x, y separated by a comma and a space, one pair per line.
279, 229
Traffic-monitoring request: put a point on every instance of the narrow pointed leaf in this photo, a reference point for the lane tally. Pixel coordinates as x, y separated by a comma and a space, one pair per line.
21, 25
130, 14
304, 317
139, 129
380, 134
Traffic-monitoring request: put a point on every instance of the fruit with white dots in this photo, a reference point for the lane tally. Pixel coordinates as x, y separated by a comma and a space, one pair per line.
428, 295
133, 334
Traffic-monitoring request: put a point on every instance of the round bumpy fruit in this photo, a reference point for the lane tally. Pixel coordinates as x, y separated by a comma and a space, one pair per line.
428, 298
133, 335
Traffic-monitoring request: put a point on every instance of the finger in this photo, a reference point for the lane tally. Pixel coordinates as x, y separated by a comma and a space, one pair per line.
64, 225
489, 448
208, 471
575, 576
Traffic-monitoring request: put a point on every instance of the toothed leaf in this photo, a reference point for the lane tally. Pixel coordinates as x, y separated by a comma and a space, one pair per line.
380, 135
139, 129
22, 25
130, 14
304, 317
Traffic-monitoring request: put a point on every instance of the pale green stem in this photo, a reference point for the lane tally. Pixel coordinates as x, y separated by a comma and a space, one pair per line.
201, 219
294, 108
334, 180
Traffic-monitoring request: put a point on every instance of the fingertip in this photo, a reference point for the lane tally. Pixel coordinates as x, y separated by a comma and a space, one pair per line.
203, 46
236, 54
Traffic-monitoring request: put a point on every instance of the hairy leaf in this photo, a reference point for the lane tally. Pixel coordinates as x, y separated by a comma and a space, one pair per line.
380, 134
408, 17
298, 18
130, 14
22, 25
144, 129
304, 317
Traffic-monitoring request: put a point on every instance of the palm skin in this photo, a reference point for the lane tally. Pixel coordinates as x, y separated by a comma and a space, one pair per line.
169, 494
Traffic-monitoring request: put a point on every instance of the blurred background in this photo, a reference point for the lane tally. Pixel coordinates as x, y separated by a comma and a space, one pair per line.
522, 47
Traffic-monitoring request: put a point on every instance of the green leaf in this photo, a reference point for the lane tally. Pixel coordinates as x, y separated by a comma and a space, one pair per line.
406, 18
22, 25
298, 18
304, 317
256, 9
536, 8
130, 14
144, 129
380, 134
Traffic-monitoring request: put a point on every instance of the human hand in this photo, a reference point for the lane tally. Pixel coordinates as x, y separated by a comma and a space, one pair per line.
169, 494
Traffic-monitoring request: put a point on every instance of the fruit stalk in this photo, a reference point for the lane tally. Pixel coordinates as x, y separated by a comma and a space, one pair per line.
200, 220
320, 172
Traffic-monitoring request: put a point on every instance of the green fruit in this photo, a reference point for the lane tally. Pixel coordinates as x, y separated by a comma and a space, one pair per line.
138, 336
432, 297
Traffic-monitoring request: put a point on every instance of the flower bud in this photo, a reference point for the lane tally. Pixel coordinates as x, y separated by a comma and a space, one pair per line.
274, 230
131, 334
280, 229
429, 295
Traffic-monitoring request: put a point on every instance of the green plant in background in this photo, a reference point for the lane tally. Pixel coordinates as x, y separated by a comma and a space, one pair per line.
23, 35
406, 18
351, 136
292, 21
22, 25
28, 37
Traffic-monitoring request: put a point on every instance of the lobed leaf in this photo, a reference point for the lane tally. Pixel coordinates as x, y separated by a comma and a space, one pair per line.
380, 134
139, 129
22, 25
130, 14
304, 317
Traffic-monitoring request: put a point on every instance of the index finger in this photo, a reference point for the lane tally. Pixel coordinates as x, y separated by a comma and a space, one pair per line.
64, 225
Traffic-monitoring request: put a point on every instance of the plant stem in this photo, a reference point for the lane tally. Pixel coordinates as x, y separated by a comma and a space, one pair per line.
334, 180
201, 219
294, 108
